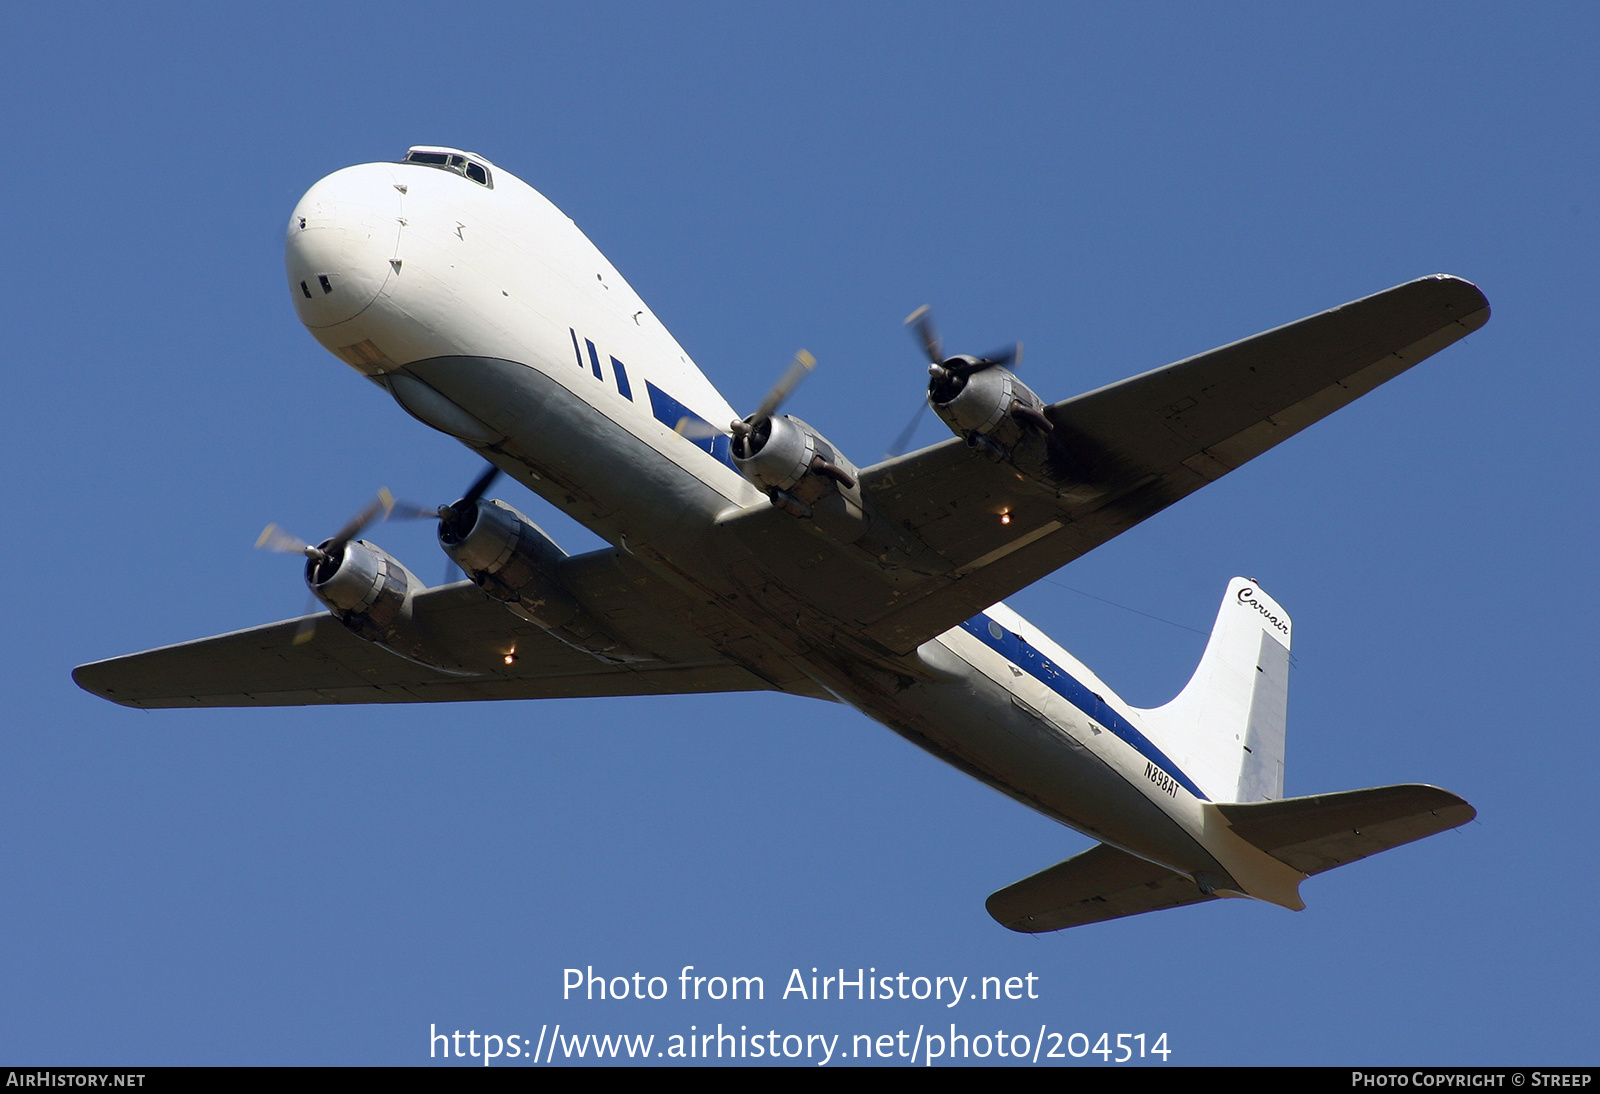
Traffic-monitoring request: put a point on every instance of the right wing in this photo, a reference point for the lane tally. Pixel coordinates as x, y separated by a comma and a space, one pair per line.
265, 666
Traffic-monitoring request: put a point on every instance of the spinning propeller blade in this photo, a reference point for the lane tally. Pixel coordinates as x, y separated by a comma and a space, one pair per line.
798, 370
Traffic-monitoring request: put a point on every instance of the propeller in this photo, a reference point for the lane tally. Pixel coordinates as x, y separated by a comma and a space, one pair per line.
797, 371
276, 539
903, 442
921, 322
457, 516
944, 370
696, 429
922, 329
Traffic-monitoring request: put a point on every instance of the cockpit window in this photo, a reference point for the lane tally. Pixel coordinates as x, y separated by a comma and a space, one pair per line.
451, 161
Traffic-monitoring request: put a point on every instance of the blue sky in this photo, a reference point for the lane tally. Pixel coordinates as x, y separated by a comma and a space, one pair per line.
1118, 187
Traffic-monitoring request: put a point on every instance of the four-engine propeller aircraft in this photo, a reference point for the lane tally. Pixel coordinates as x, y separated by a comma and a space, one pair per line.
756, 555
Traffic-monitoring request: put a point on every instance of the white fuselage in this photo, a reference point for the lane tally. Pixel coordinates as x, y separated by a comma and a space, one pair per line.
490, 295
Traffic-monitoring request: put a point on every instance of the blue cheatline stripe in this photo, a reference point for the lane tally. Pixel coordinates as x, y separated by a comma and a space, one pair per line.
575, 348
595, 359
1016, 649
622, 379
669, 412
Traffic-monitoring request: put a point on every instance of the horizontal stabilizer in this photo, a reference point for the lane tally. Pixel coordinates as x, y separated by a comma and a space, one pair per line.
1102, 883
1318, 833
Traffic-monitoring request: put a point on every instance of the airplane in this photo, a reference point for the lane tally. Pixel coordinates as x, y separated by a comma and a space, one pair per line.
756, 556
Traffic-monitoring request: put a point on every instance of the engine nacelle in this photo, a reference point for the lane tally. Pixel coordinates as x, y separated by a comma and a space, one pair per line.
512, 560
802, 473
990, 408
370, 592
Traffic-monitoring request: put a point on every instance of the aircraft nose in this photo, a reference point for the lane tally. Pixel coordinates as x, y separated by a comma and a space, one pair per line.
343, 235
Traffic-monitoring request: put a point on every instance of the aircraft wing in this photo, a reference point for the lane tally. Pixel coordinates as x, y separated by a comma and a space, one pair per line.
265, 666
1129, 450
1102, 883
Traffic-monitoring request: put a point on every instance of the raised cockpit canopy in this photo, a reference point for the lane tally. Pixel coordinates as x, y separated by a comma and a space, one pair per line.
451, 159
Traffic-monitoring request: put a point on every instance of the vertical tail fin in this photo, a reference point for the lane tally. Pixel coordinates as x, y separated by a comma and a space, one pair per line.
1226, 727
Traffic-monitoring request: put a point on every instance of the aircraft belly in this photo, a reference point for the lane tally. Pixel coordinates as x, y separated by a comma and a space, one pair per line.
594, 468
572, 453
576, 456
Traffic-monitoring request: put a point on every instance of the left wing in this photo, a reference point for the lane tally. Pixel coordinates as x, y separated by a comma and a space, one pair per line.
265, 666
1125, 452
952, 533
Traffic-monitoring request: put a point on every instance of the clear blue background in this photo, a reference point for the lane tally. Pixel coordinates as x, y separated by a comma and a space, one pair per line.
1118, 187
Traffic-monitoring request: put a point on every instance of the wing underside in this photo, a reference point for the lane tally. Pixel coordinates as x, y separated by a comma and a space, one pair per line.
1115, 457
1127, 451
278, 665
